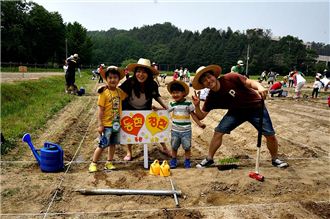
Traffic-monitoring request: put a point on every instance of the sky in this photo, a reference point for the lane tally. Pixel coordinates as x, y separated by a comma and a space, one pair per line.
306, 19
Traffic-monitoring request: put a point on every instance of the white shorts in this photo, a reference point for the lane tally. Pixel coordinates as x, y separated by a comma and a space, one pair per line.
299, 86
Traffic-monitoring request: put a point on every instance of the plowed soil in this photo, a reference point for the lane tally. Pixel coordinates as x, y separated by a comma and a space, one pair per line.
299, 191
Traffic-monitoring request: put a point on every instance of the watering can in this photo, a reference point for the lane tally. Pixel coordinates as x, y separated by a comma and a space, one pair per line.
50, 158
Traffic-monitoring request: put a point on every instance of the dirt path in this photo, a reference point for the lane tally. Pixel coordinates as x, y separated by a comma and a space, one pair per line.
12, 77
300, 191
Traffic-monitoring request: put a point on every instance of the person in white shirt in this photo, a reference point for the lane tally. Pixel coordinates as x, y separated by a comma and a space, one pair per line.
300, 82
316, 86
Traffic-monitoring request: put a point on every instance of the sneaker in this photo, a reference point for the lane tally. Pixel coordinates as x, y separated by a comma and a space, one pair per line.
278, 163
109, 166
205, 163
92, 168
173, 163
187, 163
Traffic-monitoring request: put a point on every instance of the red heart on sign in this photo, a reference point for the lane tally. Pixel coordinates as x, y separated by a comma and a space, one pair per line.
132, 125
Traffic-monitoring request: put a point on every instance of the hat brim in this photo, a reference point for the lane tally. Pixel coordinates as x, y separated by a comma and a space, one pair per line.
133, 66
185, 86
216, 69
121, 73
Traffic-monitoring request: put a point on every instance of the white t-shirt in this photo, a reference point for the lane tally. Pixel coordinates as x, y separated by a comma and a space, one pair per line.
300, 79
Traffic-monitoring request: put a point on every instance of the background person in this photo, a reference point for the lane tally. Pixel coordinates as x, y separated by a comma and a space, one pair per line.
239, 68
70, 75
316, 86
299, 82
276, 88
271, 77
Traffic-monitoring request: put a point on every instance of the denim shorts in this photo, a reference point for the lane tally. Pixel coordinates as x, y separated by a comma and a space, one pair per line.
178, 138
108, 138
234, 118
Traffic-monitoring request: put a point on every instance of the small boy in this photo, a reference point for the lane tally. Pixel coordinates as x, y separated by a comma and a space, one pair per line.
109, 111
181, 124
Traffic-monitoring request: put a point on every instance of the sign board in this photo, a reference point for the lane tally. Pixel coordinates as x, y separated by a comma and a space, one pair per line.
141, 127
22, 69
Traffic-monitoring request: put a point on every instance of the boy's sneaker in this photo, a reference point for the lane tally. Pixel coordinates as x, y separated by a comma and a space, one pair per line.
92, 167
187, 163
205, 163
278, 163
109, 166
173, 163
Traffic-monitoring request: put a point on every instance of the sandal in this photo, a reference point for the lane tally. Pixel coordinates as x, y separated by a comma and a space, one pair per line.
127, 158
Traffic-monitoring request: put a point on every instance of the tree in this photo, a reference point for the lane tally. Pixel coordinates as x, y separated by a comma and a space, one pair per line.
78, 41
13, 25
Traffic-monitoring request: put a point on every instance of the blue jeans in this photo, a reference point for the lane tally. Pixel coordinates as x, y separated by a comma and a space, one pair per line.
108, 138
234, 118
178, 138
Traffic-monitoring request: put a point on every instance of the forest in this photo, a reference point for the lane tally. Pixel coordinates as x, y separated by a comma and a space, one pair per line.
31, 34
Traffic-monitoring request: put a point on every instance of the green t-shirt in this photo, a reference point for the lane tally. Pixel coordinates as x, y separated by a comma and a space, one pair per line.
238, 69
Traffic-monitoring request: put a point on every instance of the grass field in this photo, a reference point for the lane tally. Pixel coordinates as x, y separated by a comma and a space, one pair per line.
27, 105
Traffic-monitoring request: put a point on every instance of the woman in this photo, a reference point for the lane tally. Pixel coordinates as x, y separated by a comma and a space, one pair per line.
141, 90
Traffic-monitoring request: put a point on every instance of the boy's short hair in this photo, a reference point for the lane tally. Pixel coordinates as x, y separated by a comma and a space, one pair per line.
177, 87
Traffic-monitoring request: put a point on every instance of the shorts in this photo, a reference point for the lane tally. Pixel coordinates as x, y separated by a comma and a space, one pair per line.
178, 138
108, 138
233, 119
299, 86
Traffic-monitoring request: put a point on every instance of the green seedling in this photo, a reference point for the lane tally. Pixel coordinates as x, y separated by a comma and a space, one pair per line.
228, 163
228, 160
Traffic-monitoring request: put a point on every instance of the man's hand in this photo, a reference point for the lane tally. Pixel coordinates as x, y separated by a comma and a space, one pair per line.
263, 92
195, 99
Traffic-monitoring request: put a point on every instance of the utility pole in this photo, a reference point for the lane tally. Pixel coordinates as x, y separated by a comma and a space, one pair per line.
247, 60
66, 48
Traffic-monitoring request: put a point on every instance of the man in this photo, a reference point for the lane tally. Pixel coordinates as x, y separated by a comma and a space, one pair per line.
239, 68
243, 99
70, 77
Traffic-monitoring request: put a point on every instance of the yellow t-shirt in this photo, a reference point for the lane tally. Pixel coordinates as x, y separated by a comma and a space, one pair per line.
111, 100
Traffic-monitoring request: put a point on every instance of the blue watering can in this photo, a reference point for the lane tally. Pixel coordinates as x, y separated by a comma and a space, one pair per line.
50, 158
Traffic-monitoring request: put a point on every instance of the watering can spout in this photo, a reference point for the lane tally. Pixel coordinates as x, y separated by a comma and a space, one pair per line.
27, 138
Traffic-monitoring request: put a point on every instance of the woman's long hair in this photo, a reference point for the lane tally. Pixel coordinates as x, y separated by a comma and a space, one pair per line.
148, 85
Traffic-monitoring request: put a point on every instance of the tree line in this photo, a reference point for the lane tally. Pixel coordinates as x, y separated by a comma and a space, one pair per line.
32, 34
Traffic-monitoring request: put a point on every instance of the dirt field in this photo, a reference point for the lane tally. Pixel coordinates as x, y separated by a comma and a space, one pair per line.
300, 191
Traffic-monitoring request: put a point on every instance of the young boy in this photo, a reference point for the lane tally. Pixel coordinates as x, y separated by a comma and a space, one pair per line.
181, 125
109, 111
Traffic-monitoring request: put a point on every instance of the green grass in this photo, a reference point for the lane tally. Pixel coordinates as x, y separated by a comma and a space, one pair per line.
26, 106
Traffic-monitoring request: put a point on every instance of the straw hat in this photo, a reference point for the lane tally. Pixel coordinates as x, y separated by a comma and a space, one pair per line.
185, 86
144, 63
216, 69
112, 67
